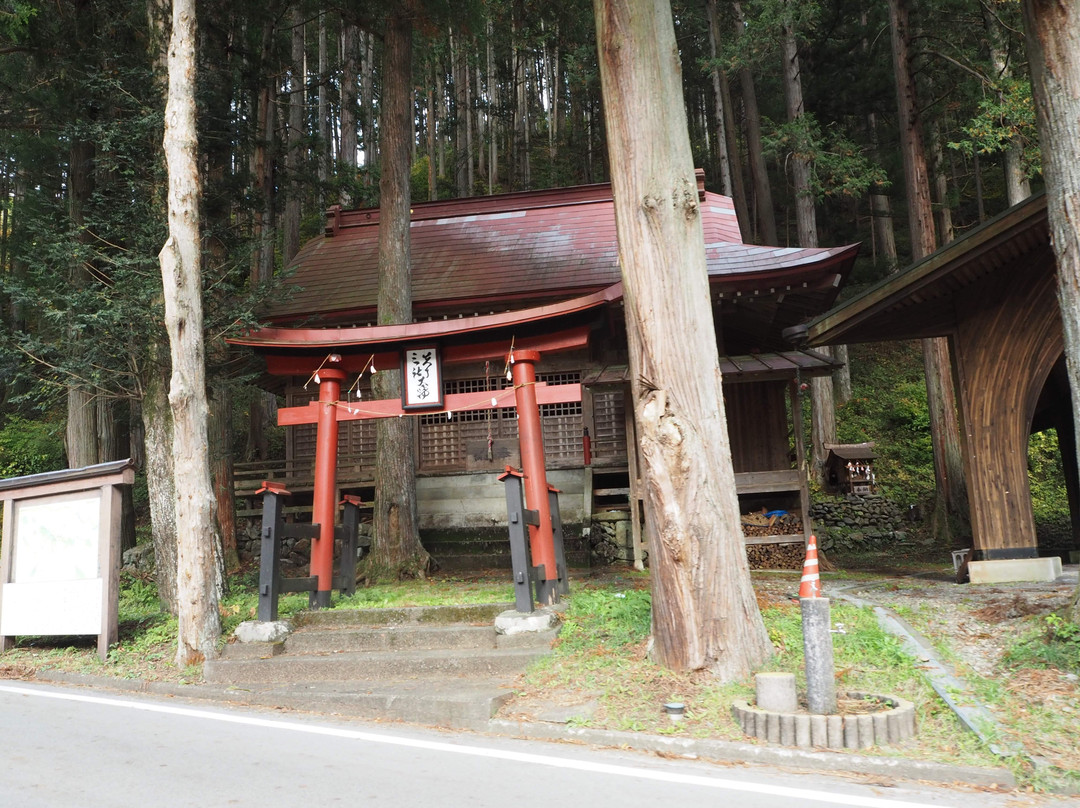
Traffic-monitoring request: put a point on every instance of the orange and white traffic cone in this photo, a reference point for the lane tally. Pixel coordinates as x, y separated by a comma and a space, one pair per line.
810, 586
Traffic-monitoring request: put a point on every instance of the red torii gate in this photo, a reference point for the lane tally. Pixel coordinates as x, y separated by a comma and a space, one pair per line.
353, 350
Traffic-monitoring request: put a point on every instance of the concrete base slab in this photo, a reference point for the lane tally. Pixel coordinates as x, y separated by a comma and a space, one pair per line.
513, 622
262, 631
1008, 570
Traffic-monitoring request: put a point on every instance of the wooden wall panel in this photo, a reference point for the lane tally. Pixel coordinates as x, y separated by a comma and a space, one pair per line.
758, 426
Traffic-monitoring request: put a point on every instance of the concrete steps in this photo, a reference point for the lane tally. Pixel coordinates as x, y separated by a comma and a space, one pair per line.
372, 665
444, 666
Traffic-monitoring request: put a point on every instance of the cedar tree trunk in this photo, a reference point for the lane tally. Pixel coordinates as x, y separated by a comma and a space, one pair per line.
397, 551
704, 612
1053, 43
951, 495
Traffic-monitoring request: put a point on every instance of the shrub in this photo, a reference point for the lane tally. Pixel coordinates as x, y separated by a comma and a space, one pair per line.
30, 447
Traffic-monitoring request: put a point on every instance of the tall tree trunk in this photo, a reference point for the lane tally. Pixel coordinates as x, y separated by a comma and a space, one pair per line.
290, 239
80, 441
759, 173
350, 72
1053, 44
805, 216
704, 611
482, 115
262, 258
199, 577
160, 484
220, 432
1017, 187
113, 442
823, 406
945, 230
432, 178
493, 100
727, 143
459, 75
470, 177
726, 182
881, 212
950, 494
325, 146
884, 237
397, 550
367, 105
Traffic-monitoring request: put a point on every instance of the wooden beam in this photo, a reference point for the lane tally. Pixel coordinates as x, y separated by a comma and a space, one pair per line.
297, 364
455, 402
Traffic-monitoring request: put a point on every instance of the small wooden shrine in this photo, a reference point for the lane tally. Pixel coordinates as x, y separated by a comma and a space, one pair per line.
849, 468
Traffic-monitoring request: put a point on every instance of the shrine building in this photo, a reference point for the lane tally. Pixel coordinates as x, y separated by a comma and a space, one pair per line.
534, 277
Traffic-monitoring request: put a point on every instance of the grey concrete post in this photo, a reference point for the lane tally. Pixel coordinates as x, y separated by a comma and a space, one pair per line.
818, 651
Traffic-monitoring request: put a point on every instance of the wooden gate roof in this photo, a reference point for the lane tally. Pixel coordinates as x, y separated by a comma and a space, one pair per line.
921, 301
516, 250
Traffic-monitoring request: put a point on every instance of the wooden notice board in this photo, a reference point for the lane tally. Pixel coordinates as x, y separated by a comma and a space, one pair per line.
60, 561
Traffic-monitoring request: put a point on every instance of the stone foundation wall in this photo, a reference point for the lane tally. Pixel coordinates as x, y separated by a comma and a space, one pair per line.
855, 523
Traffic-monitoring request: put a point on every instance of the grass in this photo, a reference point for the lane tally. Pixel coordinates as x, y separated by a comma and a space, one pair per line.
147, 636
602, 653
1028, 692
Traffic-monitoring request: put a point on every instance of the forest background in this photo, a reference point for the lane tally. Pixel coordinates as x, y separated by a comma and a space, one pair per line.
506, 98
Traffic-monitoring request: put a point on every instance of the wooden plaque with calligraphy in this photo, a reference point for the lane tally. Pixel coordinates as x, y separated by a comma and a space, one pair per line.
421, 374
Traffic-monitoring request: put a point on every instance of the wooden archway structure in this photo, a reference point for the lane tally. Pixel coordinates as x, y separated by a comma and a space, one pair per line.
993, 294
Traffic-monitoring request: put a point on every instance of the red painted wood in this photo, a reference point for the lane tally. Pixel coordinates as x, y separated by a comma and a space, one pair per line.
323, 510
531, 436
291, 364
455, 402
382, 336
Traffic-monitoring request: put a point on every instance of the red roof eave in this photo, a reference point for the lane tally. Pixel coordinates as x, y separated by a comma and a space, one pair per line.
273, 337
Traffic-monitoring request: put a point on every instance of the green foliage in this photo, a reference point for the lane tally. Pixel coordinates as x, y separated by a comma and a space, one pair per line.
838, 167
1049, 500
603, 617
1005, 117
888, 406
138, 598
1054, 644
30, 447
15, 16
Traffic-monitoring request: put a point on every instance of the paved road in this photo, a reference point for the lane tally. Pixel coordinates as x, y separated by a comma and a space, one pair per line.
73, 747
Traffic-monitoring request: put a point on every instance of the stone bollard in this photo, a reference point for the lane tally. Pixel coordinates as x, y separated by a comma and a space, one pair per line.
776, 692
818, 651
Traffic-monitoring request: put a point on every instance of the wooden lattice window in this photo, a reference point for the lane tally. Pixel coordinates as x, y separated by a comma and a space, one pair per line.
483, 438
609, 423
356, 439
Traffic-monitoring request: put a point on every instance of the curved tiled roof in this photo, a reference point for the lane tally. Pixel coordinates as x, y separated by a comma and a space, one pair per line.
516, 250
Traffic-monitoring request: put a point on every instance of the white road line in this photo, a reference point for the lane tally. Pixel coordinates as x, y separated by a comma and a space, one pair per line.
477, 751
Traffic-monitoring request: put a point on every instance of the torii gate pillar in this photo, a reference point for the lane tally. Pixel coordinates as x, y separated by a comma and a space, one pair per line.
323, 505
531, 437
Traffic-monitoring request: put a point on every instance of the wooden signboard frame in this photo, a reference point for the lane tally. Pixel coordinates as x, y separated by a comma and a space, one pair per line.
421, 378
60, 561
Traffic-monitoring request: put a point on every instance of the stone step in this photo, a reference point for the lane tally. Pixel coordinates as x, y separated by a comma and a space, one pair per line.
471, 613
374, 665
451, 703
407, 637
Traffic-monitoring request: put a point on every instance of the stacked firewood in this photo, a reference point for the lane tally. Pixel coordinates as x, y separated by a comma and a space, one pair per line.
775, 556
771, 523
